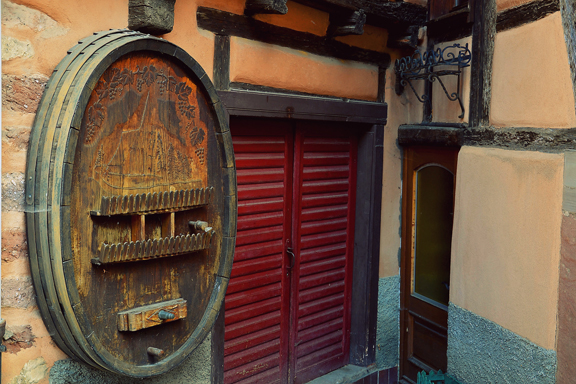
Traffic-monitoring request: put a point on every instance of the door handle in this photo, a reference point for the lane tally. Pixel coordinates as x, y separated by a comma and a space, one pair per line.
290, 252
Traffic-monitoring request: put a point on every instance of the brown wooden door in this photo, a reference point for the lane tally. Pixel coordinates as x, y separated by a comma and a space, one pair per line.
428, 206
287, 317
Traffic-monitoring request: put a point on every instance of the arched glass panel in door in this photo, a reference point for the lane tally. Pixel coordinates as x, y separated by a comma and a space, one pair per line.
434, 209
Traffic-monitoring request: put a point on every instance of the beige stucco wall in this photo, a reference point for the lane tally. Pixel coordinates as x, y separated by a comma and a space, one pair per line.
531, 83
444, 110
506, 239
273, 66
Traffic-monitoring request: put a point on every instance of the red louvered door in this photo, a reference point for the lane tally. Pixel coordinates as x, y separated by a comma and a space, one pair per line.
287, 318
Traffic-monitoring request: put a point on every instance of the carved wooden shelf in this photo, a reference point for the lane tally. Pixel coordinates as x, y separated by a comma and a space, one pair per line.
156, 202
153, 248
151, 315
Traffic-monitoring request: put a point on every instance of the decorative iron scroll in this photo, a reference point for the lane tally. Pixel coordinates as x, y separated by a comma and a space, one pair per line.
152, 249
423, 66
153, 202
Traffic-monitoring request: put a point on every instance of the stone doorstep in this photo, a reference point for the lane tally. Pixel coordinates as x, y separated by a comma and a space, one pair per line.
348, 374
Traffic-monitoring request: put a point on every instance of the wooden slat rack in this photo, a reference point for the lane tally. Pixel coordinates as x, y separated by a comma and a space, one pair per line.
156, 202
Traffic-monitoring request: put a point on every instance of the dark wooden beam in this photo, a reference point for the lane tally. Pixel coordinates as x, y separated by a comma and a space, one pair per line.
483, 35
526, 13
383, 12
222, 62
277, 7
363, 321
351, 24
453, 26
224, 23
265, 104
535, 139
403, 38
217, 348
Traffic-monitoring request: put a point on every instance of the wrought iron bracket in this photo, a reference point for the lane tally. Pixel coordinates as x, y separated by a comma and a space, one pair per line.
432, 65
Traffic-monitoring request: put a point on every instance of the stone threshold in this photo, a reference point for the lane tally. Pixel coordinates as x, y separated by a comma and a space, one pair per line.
348, 374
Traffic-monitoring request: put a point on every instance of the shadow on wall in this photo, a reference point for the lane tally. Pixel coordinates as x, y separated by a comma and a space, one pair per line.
196, 369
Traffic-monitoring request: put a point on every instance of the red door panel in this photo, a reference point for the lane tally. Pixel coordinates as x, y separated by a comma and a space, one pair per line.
287, 320
323, 226
256, 306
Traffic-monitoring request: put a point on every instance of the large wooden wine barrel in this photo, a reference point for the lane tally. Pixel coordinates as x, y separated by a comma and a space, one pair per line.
130, 203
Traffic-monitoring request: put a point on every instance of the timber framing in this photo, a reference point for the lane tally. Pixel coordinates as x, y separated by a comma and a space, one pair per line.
526, 13
483, 35
224, 23
568, 9
533, 139
266, 104
380, 13
277, 7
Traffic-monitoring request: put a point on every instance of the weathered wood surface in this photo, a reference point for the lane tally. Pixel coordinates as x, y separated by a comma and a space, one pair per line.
150, 315
152, 248
224, 23
277, 7
153, 202
381, 12
350, 24
128, 114
526, 13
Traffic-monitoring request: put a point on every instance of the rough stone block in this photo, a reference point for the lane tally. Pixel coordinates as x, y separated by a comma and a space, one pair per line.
155, 17
14, 148
22, 93
13, 192
13, 48
14, 245
18, 292
33, 371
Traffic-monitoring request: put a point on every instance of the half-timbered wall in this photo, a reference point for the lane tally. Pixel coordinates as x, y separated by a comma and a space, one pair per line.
37, 35
514, 175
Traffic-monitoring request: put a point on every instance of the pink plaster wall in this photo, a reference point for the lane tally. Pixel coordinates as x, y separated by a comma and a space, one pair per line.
506, 239
531, 83
273, 66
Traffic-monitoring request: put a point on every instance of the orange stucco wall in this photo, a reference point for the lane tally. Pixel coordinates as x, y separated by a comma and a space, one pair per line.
502, 5
402, 109
531, 83
300, 18
273, 66
506, 239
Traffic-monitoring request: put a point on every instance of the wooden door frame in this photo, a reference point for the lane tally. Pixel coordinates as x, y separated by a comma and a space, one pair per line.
369, 119
412, 156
